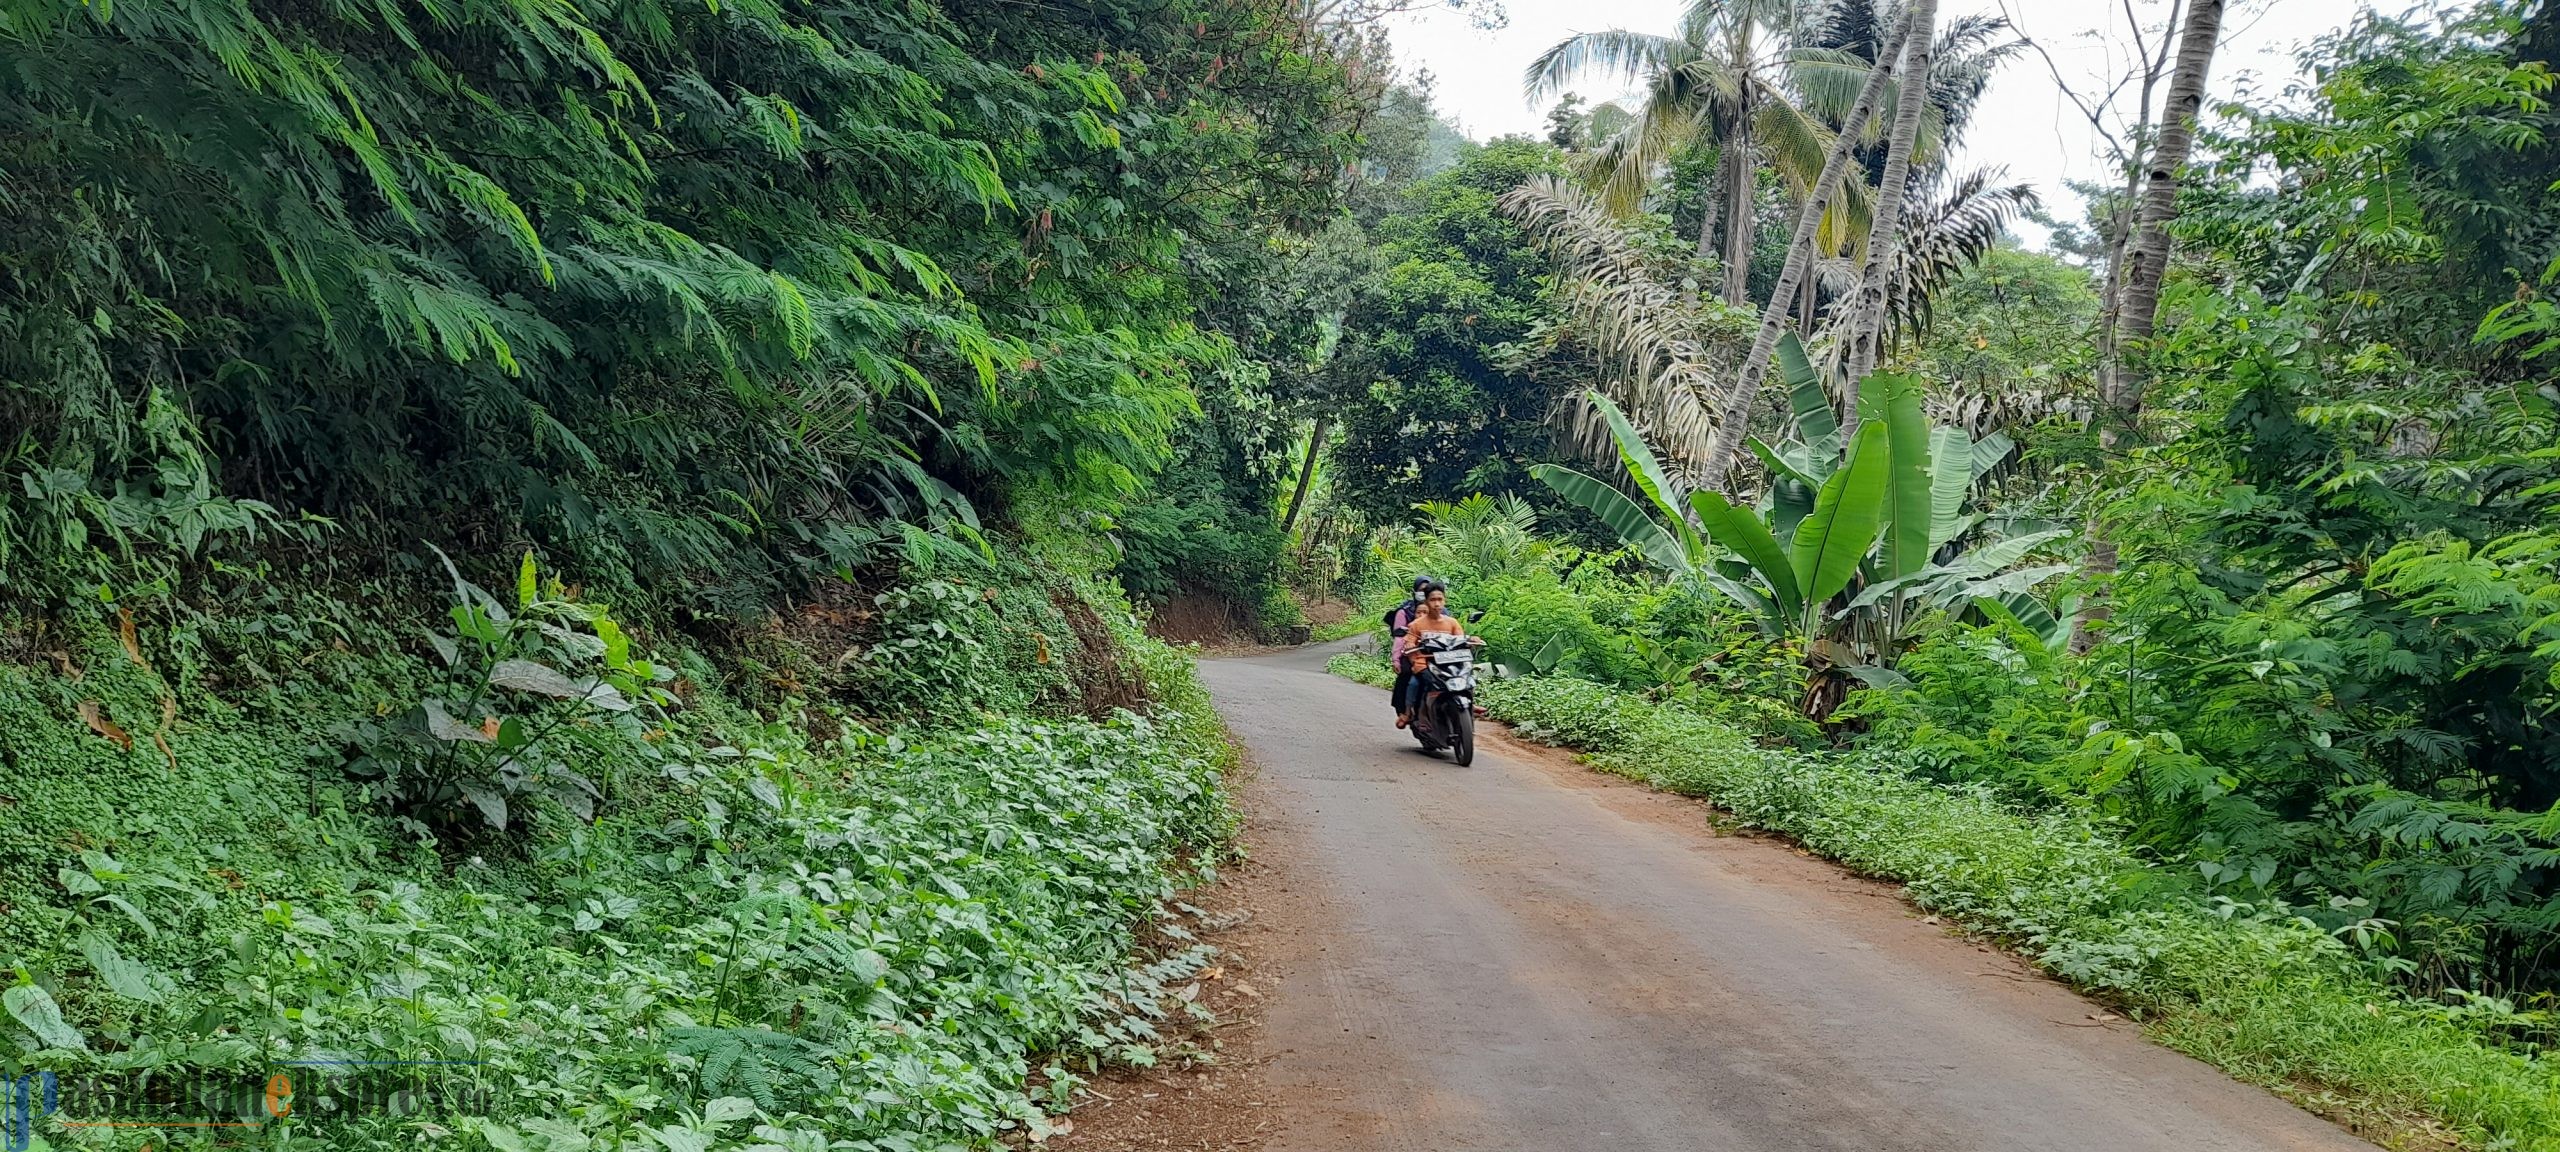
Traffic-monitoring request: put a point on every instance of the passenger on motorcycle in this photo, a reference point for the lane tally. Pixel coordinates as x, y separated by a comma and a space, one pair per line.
1398, 621
1433, 618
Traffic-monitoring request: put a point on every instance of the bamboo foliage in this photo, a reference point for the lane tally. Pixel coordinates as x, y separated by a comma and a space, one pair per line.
700, 288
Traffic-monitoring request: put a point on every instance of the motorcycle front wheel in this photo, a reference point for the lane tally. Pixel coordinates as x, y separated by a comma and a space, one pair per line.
1462, 730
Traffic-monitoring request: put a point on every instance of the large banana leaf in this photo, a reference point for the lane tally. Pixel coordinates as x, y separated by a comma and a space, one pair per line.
1739, 530
1649, 475
1989, 451
1832, 541
1812, 406
1774, 620
1785, 465
1910, 496
1950, 475
2000, 554
1976, 573
1629, 519
1792, 482
2025, 610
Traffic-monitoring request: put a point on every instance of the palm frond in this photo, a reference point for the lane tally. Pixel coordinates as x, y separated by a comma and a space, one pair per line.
1795, 144
1948, 234
1656, 367
1623, 167
1615, 52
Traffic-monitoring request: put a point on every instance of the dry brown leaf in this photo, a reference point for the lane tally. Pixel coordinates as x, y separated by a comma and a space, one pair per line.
125, 631
99, 724
168, 720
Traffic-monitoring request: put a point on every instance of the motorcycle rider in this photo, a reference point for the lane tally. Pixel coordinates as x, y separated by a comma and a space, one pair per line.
1398, 620
1433, 618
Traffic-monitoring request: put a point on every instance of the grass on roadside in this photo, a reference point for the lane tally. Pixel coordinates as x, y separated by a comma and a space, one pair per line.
2260, 993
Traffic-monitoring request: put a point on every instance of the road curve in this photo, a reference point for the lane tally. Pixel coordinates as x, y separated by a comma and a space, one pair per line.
1523, 955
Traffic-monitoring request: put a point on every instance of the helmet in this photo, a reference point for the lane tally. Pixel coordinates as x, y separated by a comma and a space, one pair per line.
1422, 584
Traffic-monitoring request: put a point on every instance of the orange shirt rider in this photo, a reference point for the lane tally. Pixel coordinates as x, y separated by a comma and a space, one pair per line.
1433, 618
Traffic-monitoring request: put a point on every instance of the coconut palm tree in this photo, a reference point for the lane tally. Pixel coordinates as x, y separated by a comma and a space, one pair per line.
1728, 79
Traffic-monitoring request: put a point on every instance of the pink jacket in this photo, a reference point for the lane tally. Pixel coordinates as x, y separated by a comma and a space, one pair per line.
1397, 623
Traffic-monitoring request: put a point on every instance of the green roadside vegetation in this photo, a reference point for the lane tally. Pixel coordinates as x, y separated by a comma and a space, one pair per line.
727, 927
2259, 991
2175, 602
592, 561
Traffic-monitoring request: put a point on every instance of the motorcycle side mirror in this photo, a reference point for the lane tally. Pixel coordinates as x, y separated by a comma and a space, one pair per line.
1475, 616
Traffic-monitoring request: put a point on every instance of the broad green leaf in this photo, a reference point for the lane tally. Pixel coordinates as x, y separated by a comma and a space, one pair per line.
675, 1139
34, 1007
442, 725
1846, 515
1877, 676
1638, 530
528, 581
132, 913
128, 978
1989, 451
1782, 466
499, 1136
1743, 532
1814, 420
1950, 476
1910, 496
2023, 609
2000, 554
1774, 620
1638, 457
617, 647
1549, 654
2016, 580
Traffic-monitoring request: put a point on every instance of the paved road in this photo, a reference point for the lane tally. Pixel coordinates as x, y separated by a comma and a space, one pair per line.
1523, 955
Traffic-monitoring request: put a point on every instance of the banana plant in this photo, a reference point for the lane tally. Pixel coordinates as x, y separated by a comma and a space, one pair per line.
1821, 554
1872, 510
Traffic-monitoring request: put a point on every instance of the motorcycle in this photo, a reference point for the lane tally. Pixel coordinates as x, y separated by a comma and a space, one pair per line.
1444, 715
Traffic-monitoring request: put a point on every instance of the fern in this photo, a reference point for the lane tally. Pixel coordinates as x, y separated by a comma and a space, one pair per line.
757, 1063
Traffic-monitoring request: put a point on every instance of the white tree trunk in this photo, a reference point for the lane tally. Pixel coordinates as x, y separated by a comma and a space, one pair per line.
2122, 375
1884, 233
1738, 223
2134, 309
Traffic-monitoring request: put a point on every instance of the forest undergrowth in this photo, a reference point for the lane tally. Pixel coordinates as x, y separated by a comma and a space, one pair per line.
750, 916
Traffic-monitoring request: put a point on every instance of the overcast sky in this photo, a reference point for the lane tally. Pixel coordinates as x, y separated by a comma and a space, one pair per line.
2025, 122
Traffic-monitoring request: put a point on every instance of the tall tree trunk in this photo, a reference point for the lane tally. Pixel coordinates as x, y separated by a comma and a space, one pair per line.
1306, 472
1733, 415
1884, 230
2122, 373
1738, 189
1710, 208
2134, 309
